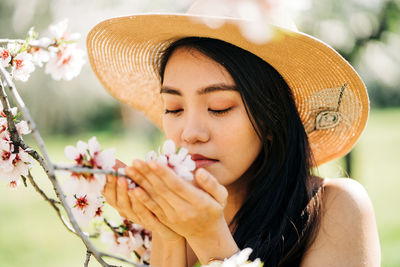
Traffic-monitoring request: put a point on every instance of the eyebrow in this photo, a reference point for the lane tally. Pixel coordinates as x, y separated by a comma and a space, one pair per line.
202, 91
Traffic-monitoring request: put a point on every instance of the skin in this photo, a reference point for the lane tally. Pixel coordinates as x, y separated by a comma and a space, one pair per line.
189, 218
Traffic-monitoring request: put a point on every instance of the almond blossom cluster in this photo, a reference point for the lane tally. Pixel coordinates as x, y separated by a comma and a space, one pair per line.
180, 161
83, 190
13, 165
239, 259
127, 238
64, 59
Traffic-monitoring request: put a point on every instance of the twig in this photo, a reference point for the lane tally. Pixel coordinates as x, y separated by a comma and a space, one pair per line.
123, 260
111, 227
25, 112
51, 201
69, 168
48, 167
46, 164
6, 41
10, 118
88, 254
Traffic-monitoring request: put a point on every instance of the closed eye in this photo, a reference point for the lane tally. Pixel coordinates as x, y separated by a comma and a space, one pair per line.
219, 111
175, 111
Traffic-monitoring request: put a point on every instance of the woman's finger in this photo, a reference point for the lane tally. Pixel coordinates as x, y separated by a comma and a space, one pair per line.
156, 189
211, 185
150, 204
182, 188
109, 191
146, 217
123, 201
138, 178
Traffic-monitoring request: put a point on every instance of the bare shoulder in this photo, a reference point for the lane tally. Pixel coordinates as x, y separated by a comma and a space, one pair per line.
348, 234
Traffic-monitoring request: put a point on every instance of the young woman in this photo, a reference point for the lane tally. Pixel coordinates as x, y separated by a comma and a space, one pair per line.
254, 150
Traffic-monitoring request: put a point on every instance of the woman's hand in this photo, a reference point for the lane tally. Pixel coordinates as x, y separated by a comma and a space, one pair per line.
178, 204
116, 194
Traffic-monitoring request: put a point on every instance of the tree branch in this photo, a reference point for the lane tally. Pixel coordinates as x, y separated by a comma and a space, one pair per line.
46, 164
51, 201
71, 168
48, 167
123, 260
88, 254
6, 41
27, 116
20, 41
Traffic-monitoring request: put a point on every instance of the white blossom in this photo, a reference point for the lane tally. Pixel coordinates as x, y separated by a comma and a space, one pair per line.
23, 128
119, 244
39, 56
22, 66
5, 57
180, 162
65, 62
239, 259
84, 207
15, 184
12, 165
59, 31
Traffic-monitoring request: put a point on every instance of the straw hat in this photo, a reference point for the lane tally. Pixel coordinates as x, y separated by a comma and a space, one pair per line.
331, 98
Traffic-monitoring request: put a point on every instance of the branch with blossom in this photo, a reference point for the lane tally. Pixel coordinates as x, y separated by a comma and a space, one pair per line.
80, 195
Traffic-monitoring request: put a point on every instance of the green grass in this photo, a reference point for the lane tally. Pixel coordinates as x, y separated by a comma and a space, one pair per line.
32, 235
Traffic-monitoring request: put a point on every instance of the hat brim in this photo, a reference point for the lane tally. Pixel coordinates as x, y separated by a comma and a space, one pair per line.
330, 96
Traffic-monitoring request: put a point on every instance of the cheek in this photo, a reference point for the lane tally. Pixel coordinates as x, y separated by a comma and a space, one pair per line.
170, 128
239, 146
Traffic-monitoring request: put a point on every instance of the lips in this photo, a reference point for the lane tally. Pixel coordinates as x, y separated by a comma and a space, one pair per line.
202, 161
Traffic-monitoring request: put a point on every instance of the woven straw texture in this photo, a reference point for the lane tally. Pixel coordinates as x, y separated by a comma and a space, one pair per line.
331, 98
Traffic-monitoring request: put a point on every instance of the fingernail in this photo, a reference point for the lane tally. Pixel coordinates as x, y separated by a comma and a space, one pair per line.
121, 181
109, 178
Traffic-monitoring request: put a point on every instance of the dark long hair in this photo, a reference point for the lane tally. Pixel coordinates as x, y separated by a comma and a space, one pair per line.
280, 216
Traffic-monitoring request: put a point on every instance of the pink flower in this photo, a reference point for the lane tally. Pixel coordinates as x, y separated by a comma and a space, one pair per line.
180, 162
22, 66
15, 184
59, 31
88, 155
5, 57
65, 62
23, 128
12, 166
39, 56
85, 207
239, 259
118, 244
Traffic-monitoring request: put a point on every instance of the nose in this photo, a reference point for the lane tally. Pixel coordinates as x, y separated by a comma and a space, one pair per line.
195, 130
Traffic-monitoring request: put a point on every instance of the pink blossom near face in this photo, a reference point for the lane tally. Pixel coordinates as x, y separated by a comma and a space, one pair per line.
210, 122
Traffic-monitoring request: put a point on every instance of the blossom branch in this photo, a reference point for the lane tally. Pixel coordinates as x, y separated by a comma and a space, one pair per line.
6, 41
52, 203
47, 165
30, 44
123, 260
25, 113
111, 227
75, 169
88, 254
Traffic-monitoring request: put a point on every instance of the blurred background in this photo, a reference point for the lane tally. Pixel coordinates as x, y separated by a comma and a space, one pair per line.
365, 32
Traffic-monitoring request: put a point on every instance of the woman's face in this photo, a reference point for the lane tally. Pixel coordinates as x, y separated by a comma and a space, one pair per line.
203, 113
